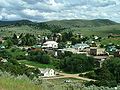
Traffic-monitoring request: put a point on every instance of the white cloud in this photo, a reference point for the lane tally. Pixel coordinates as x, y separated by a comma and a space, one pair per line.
31, 12
43, 10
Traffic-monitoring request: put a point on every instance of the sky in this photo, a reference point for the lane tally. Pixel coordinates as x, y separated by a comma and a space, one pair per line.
46, 10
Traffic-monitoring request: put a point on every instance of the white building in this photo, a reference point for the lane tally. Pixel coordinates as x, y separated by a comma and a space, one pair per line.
50, 44
47, 72
81, 47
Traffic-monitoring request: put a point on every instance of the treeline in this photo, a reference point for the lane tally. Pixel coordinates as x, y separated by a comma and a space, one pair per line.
21, 40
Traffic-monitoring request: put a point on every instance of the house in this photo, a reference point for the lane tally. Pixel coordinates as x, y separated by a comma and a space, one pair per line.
117, 53
74, 51
50, 44
2, 47
36, 48
47, 72
111, 49
3, 60
96, 37
97, 51
81, 46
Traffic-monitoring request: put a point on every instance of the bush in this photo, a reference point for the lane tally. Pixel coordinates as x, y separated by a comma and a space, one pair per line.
91, 75
13, 67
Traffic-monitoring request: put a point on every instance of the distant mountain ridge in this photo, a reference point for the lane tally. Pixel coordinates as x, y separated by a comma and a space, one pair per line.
100, 27
82, 23
15, 22
64, 23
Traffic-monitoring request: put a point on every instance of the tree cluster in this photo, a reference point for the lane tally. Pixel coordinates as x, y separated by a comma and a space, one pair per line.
39, 56
77, 63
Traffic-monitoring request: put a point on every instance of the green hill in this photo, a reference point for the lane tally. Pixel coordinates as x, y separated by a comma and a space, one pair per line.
70, 23
87, 27
20, 22
78, 23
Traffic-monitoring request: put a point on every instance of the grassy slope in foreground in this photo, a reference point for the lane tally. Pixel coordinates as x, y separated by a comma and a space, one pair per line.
12, 83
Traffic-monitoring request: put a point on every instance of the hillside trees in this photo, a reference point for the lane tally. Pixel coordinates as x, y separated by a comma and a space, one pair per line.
28, 39
8, 43
66, 36
15, 39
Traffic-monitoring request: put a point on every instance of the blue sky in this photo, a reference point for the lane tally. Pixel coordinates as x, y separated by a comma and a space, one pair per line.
46, 10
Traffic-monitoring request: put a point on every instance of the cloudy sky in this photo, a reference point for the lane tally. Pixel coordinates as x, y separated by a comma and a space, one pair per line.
45, 10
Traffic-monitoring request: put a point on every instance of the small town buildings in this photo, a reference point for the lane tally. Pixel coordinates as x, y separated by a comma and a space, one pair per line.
93, 51
74, 51
36, 48
50, 44
97, 51
68, 50
3, 60
47, 72
96, 37
111, 49
81, 46
2, 47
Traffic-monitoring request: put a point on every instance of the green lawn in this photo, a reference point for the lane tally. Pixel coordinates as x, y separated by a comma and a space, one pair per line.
36, 64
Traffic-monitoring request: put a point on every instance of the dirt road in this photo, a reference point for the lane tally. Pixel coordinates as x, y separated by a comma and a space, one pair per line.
64, 75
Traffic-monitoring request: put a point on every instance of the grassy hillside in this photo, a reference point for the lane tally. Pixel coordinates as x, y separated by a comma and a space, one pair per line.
87, 27
8, 82
100, 31
8, 31
78, 23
